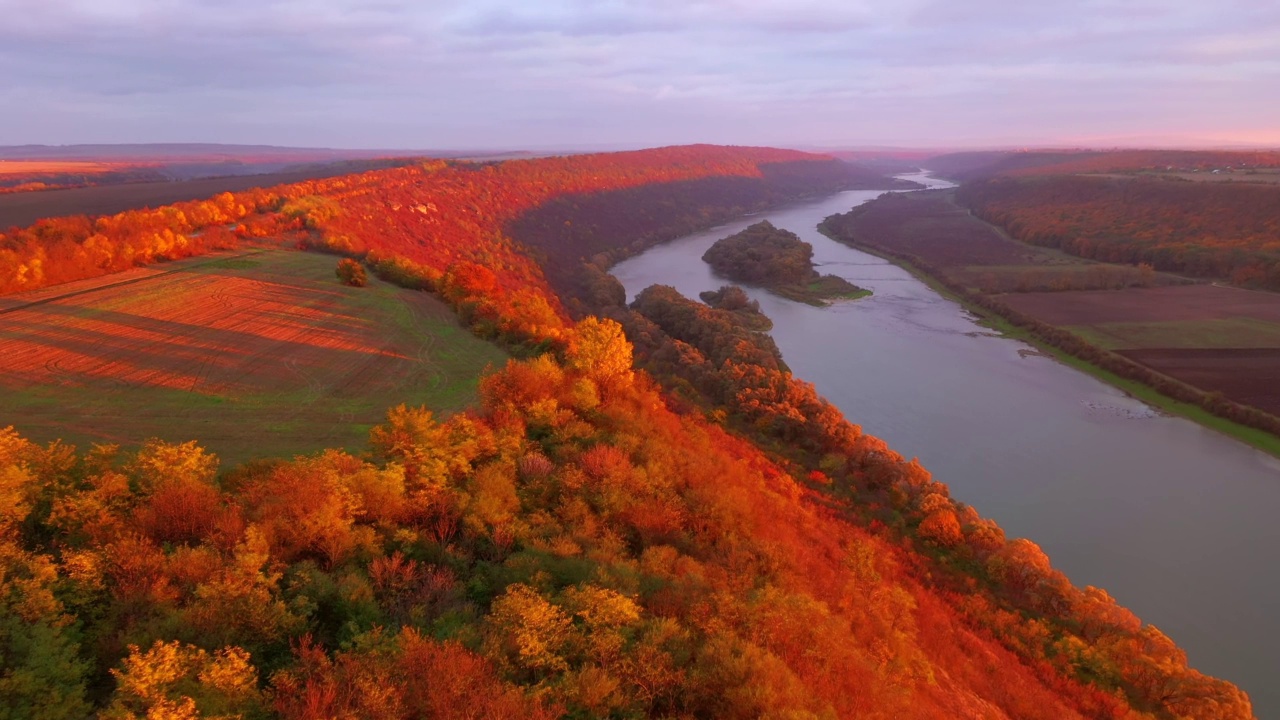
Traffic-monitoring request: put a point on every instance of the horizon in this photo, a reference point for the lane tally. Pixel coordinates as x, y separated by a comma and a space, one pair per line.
341, 74
342, 153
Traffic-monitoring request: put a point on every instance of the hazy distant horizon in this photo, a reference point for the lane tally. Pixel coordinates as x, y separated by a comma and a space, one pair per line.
550, 74
179, 150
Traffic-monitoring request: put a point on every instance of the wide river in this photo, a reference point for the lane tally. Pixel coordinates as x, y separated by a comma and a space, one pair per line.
1180, 524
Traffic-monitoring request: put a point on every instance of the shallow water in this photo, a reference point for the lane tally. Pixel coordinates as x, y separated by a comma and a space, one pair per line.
1174, 520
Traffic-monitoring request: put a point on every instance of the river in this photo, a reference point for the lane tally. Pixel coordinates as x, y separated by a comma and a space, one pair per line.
1179, 523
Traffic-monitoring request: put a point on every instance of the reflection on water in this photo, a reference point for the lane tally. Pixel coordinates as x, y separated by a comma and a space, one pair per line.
1176, 521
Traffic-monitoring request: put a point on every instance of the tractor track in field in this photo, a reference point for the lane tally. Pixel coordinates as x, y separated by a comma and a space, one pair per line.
119, 284
264, 360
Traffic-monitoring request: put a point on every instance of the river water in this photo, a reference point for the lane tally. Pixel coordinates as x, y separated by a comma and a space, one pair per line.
1179, 523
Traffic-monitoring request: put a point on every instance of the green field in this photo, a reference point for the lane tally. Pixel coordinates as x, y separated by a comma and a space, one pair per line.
262, 354
1223, 333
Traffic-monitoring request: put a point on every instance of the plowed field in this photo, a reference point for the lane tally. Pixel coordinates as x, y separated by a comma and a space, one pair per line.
1250, 376
1148, 305
1220, 339
42, 167
261, 354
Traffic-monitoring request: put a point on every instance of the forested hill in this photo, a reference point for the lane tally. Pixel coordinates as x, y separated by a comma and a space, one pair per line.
963, 166
658, 524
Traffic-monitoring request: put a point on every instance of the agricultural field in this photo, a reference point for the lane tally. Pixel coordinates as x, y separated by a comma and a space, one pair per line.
932, 228
1187, 304
258, 354
23, 168
1221, 339
1264, 176
1247, 375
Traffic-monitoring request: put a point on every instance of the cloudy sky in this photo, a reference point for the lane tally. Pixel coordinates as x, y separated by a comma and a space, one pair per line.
556, 73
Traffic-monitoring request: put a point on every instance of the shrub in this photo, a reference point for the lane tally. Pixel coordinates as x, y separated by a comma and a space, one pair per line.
352, 273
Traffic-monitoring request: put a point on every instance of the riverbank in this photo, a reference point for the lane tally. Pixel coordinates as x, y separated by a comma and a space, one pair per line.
1000, 322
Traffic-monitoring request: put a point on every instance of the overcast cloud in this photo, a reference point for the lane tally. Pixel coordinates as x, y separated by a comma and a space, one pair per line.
555, 73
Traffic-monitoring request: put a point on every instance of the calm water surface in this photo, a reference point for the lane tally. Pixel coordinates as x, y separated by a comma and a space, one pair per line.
1179, 523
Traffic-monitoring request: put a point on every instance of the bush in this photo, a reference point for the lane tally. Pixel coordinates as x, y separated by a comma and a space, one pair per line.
352, 273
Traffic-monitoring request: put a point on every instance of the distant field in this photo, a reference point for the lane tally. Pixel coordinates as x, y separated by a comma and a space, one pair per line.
1217, 338
1235, 332
948, 238
23, 209
1250, 376
930, 226
260, 354
49, 167
1148, 305
1264, 175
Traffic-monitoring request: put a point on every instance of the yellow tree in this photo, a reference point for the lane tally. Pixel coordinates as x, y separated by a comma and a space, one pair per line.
600, 351
172, 681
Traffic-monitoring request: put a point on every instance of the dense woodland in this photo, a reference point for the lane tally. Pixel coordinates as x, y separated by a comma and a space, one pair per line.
735, 300
1225, 231
985, 164
701, 537
762, 255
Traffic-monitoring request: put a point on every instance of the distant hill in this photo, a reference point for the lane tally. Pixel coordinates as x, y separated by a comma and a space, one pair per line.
989, 163
216, 152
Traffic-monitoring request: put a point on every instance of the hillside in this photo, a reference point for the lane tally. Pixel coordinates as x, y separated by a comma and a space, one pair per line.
583, 543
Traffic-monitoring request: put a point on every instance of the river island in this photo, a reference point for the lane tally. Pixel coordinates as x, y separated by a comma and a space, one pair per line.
780, 261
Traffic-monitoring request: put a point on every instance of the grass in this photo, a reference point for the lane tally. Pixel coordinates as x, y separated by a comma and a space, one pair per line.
1259, 439
295, 363
821, 291
232, 264
1237, 332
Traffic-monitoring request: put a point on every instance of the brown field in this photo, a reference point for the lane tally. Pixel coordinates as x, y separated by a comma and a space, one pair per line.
1148, 305
1216, 338
53, 167
946, 237
260, 354
1249, 376
930, 226
1233, 333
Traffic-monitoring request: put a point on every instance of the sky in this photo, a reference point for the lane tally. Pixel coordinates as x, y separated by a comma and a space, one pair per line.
543, 74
